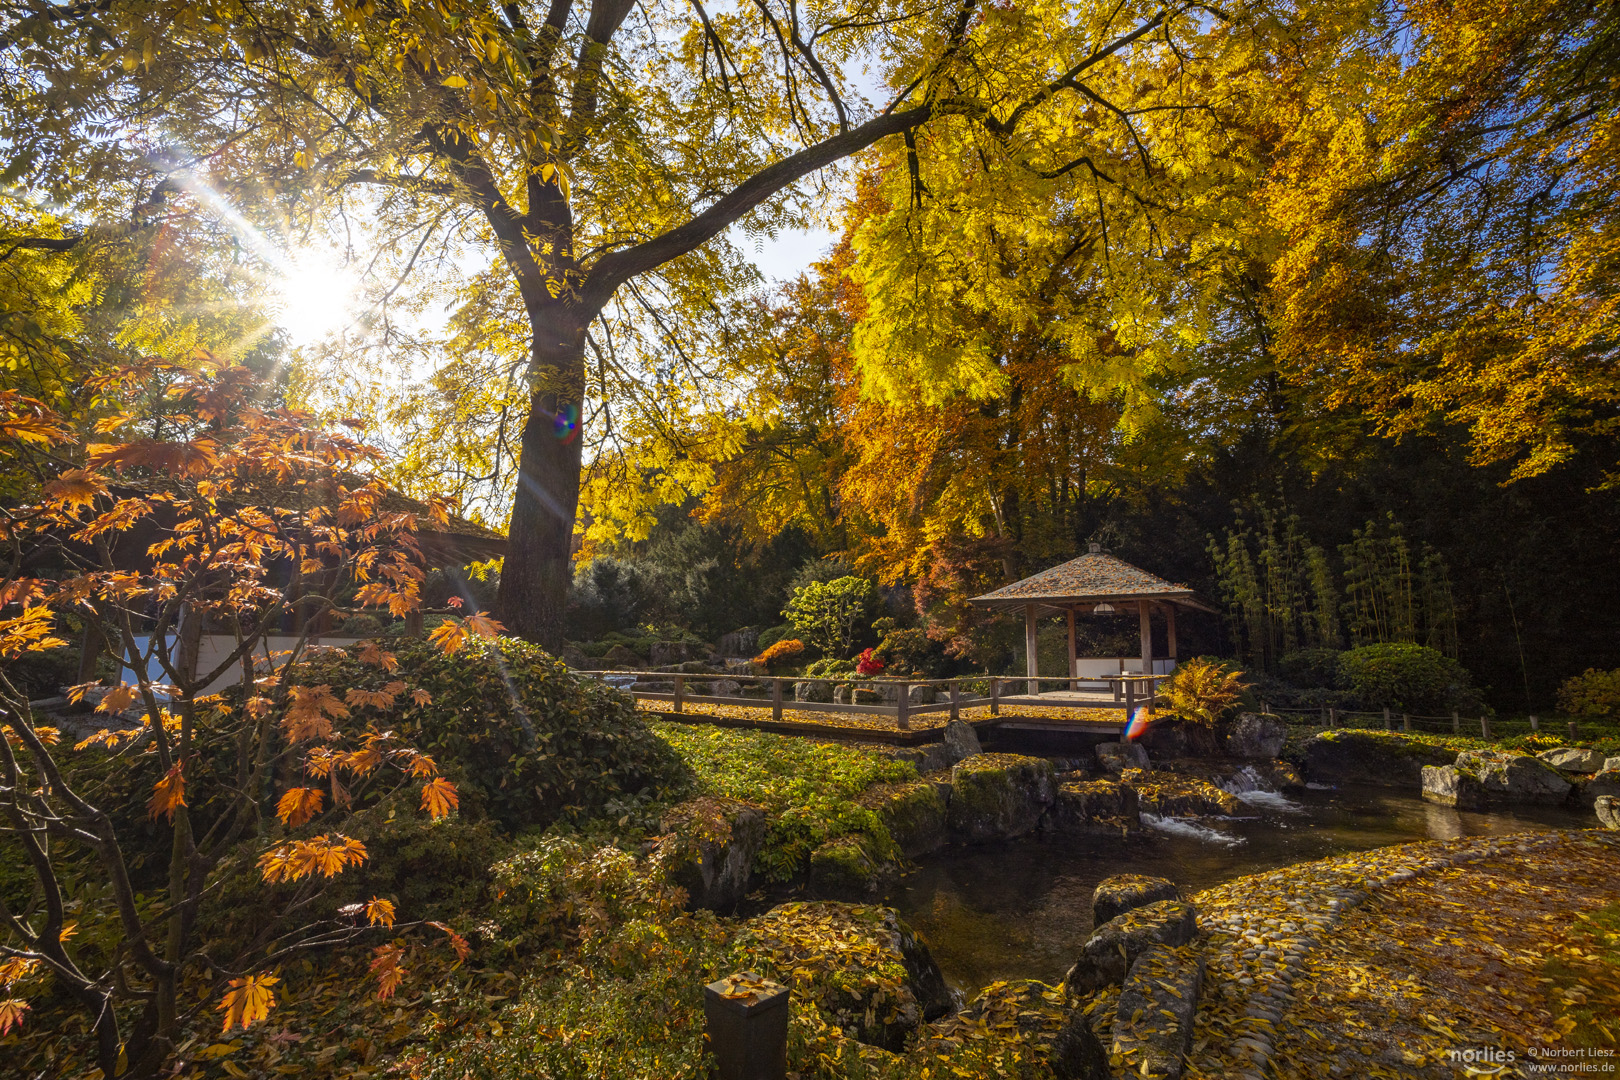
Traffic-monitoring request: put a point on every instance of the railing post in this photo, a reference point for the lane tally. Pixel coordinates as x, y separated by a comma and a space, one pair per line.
1485, 729
1406, 722
1333, 717
1535, 722
1130, 698
995, 696
902, 707
747, 1022
1573, 735
776, 699
956, 699
680, 691
1386, 717
1456, 723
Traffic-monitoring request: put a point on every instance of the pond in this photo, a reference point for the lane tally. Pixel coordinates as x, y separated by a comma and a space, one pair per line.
1023, 909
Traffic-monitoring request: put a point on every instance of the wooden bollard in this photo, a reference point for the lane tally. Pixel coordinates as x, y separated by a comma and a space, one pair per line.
747, 1017
995, 696
956, 699
776, 700
680, 692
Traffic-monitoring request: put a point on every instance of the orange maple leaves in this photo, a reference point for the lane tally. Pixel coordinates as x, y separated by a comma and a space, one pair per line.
453, 634
248, 999
439, 797
169, 793
299, 805
326, 856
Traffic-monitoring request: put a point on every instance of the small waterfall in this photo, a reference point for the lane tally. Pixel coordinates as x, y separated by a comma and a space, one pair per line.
1190, 829
1249, 786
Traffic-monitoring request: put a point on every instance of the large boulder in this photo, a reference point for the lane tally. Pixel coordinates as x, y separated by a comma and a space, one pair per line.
1573, 759
744, 642
1115, 896
1037, 1012
961, 740
1164, 794
859, 962
1590, 789
1608, 811
1255, 737
928, 758
997, 796
812, 691
1113, 947
1116, 757
709, 847
1153, 1019
1170, 738
1611, 763
1369, 757
1094, 807
620, 656
676, 652
1481, 778
913, 813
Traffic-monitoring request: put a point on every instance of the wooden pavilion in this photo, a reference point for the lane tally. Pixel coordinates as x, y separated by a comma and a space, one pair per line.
1095, 583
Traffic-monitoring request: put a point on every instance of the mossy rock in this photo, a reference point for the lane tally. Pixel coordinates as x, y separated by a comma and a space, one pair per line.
914, 814
1174, 795
859, 963
996, 796
1371, 757
1095, 807
844, 868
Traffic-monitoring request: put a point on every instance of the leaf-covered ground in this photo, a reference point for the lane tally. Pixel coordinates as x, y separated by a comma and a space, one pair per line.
1382, 964
878, 722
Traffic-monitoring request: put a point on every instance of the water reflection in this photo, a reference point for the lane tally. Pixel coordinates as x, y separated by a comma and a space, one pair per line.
1023, 909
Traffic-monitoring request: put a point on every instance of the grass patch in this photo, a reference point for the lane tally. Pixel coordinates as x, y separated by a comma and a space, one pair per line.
809, 788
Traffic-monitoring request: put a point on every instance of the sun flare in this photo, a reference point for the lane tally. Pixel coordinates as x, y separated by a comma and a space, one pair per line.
317, 299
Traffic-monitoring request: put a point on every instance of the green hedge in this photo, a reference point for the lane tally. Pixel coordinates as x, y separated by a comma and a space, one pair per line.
527, 742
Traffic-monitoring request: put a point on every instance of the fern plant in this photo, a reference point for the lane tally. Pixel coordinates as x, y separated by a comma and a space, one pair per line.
1203, 691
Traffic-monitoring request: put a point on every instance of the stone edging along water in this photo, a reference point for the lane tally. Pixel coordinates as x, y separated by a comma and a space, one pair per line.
1261, 928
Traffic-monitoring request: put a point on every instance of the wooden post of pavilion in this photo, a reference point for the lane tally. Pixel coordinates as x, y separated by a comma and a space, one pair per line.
1144, 611
1032, 658
1170, 630
1074, 659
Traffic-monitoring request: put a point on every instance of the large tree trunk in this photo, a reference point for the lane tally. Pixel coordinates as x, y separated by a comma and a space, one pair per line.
538, 568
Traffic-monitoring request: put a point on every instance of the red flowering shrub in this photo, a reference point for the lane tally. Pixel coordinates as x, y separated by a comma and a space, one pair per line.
868, 663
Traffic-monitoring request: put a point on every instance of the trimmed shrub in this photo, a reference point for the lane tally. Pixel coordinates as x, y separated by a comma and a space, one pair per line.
774, 634
780, 653
1411, 678
525, 740
1309, 669
1592, 694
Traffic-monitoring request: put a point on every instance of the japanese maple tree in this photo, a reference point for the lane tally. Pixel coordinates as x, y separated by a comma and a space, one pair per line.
254, 522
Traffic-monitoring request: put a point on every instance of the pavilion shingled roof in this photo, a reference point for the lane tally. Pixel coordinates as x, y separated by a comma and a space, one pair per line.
1095, 576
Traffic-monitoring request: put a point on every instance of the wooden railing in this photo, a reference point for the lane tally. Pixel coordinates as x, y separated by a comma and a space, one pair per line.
777, 693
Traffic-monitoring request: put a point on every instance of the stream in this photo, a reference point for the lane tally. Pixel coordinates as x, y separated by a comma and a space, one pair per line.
1023, 909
